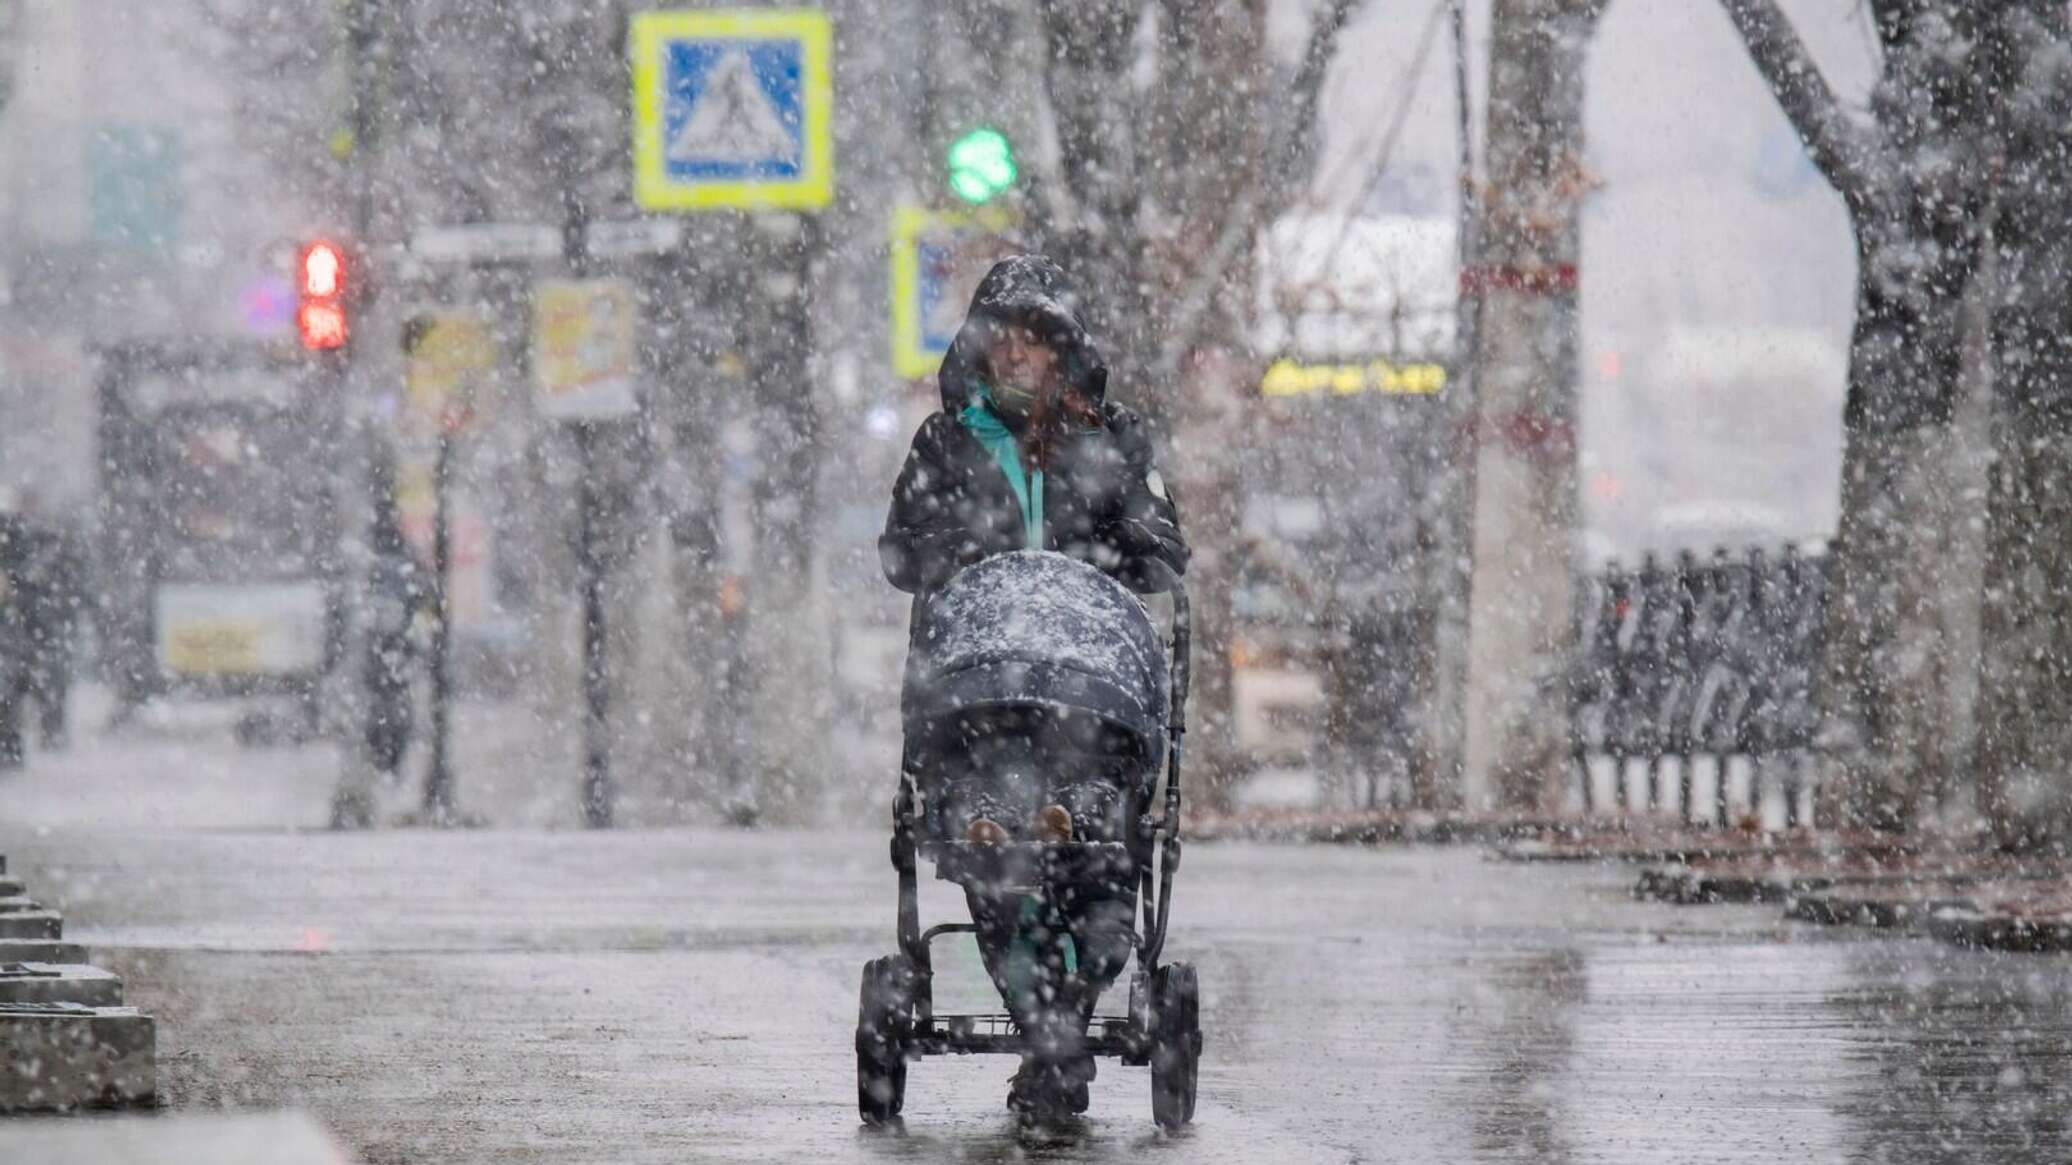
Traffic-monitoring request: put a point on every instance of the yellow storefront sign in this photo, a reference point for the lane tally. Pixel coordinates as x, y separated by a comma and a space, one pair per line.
582, 348
234, 629
1294, 378
213, 647
448, 355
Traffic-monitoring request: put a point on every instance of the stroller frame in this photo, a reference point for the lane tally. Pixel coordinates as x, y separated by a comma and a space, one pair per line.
898, 1022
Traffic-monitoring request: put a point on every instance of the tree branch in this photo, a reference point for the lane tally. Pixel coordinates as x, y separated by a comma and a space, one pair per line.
1291, 151
1296, 131
1843, 152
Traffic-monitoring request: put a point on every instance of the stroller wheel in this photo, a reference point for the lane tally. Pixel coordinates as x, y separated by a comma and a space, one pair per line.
884, 1024
1175, 1022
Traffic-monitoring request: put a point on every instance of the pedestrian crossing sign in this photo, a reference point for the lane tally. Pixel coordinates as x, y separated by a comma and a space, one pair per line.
733, 108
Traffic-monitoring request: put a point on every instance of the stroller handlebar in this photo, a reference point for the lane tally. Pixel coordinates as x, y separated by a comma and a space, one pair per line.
1183, 637
1158, 911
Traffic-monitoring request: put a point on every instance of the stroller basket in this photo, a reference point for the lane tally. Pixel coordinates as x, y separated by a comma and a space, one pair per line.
996, 1032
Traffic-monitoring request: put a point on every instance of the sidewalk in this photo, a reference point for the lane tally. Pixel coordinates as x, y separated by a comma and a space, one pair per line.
526, 996
178, 767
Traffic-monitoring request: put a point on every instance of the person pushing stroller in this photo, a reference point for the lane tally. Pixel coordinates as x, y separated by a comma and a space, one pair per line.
1028, 453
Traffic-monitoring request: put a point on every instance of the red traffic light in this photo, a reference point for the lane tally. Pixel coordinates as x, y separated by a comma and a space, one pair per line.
321, 324
323, 271
320, 277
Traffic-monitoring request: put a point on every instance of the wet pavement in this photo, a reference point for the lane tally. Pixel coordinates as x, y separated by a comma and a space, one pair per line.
689, 995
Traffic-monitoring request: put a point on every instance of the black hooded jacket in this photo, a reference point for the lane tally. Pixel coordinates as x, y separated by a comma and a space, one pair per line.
1102, 501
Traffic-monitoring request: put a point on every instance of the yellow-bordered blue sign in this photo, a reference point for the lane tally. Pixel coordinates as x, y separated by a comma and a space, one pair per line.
938, 258
733, 108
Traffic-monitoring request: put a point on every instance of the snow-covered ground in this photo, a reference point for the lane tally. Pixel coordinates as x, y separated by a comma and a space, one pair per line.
179, 765
688, 994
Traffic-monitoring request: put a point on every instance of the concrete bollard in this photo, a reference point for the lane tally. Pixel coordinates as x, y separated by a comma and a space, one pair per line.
66, 1041
65, 1055
32, 924
24, 950
25, 982
219, 1138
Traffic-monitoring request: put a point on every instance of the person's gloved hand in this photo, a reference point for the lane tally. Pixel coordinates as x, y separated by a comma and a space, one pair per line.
1128, 535
1080, 412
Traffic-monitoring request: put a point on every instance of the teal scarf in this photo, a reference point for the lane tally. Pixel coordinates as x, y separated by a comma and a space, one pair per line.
993, 433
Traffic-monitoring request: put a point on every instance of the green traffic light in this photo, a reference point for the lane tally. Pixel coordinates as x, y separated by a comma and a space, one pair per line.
981, 165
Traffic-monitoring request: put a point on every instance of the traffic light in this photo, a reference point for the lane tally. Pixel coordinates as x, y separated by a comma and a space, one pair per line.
320, 292
981, 165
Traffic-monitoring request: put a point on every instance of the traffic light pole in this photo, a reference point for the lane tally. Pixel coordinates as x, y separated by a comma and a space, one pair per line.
598, 793
361, 24
597, 781
438, 781
352, 801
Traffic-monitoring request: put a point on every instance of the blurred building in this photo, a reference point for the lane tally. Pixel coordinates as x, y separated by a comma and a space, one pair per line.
129, 206
158, 159
1356, 335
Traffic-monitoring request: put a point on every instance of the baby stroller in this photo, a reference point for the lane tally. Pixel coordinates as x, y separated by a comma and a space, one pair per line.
1035, 679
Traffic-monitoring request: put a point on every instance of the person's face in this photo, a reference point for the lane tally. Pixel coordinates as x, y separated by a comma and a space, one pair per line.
1020, 359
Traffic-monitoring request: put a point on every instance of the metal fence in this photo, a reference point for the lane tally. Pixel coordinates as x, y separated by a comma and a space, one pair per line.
1694, 676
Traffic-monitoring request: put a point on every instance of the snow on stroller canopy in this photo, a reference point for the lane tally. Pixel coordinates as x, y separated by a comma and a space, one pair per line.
1033, 628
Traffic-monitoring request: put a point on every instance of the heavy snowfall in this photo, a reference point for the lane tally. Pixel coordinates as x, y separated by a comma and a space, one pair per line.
999, 580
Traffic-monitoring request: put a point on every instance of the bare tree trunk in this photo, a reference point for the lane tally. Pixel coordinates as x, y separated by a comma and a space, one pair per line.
1525, 506
791, 667
2024, 731
1117, 153
1091, 45
2025, 682
1207, 421
1211, 152
1438, 777
1886, 667
1955, 804
701, 380
1165, 192
1915, 180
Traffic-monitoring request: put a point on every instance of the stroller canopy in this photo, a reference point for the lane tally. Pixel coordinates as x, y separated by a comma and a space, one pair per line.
1037, 629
